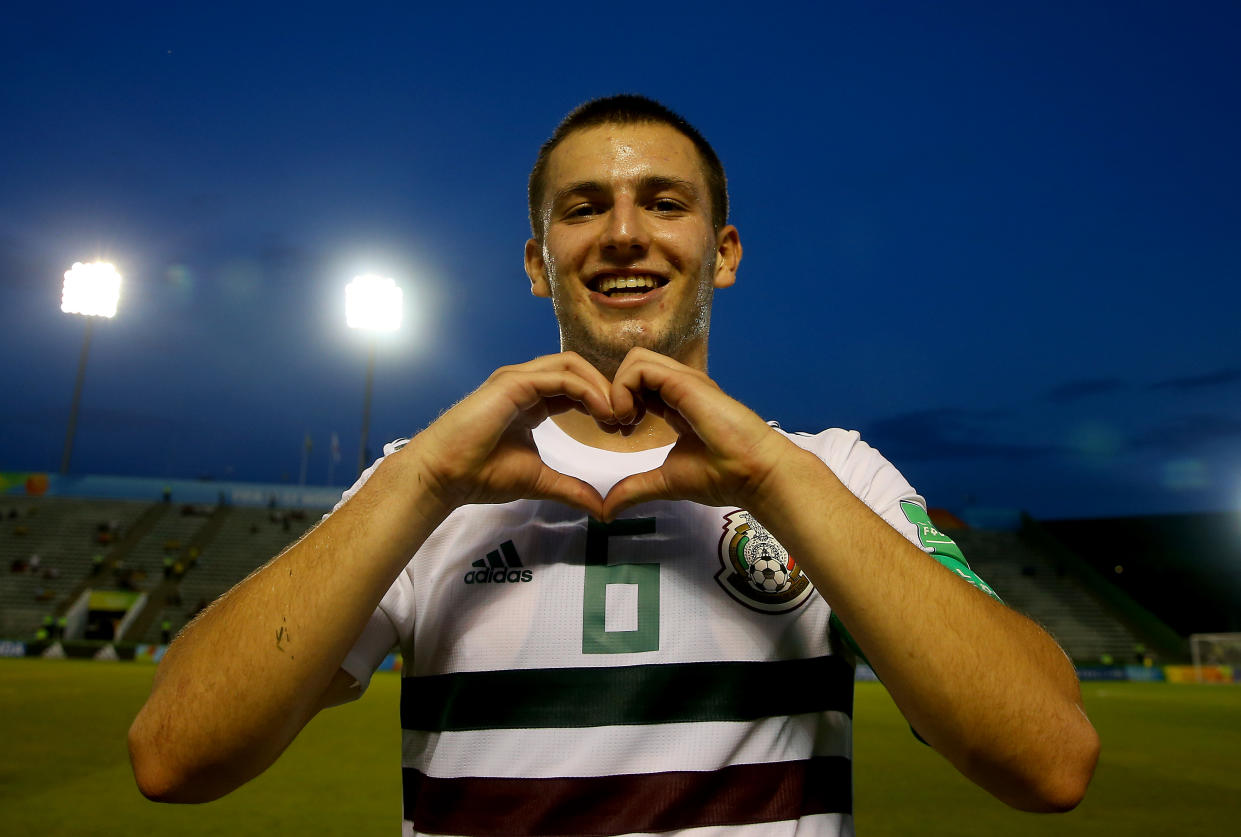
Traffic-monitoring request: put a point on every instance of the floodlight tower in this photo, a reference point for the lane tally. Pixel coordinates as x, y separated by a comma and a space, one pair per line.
91, 290
373, 304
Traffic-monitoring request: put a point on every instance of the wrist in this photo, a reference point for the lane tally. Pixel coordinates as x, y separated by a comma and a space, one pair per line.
792, 482
406, 477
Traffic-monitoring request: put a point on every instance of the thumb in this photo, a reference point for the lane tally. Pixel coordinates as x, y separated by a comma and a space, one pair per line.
634, 490
553, 485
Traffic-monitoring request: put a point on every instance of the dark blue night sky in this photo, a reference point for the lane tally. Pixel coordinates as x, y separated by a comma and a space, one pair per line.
1005, 244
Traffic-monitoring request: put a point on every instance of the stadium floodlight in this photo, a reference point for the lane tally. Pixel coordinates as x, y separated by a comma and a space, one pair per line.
372, 304
92, 290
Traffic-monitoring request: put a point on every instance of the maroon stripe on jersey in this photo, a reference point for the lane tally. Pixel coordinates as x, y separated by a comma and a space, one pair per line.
736, 795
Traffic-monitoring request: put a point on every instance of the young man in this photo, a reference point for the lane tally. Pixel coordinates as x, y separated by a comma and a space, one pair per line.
625, 606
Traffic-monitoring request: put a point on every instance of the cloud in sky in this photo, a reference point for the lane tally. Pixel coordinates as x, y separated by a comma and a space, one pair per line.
990, 434
1218, 378
949, 433
1080, 389
1190, 432
1072, 391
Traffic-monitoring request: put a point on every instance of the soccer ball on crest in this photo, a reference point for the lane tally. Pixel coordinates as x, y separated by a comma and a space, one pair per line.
769, 574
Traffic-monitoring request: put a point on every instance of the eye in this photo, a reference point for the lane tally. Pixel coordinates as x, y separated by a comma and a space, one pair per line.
581, 210
667, 205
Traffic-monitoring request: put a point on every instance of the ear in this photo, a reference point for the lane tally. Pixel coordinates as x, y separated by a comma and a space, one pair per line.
537, 270
727, 256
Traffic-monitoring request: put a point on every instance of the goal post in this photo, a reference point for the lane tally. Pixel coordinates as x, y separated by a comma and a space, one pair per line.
1213, 650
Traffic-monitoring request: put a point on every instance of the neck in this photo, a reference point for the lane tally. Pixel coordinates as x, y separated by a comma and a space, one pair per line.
651, 432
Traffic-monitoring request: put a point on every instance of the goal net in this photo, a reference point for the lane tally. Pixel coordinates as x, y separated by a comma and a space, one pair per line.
1210, 650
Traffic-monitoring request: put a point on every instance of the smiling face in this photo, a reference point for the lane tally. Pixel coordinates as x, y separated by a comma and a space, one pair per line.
628, 256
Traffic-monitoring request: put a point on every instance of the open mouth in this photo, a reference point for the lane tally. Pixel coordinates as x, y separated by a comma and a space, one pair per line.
614, 286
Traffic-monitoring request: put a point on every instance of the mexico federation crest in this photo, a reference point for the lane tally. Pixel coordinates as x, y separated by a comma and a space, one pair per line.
756, 569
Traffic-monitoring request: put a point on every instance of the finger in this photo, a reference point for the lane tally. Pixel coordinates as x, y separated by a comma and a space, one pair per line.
570, 362
578, 365
612, 427
657, 382
685, 397
555, 405
626, 404
641, 354
537, 391
678, 423
630, 402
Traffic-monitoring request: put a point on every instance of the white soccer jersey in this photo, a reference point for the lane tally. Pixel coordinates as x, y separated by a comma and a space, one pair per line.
672, 671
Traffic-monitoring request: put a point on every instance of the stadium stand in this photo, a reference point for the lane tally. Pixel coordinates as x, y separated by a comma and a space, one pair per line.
211, 547
1049, 593
1185, 567
246, 539
65, 534
165, 540
198, 528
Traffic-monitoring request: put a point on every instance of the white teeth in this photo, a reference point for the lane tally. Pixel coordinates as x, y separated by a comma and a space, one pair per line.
611, 283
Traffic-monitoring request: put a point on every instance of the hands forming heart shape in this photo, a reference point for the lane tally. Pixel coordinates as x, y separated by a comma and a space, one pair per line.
481, 450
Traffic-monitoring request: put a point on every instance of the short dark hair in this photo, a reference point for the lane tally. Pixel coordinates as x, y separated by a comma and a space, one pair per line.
629, 109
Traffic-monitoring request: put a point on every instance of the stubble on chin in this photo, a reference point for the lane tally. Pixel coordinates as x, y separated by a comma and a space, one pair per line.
605, 353
606, 348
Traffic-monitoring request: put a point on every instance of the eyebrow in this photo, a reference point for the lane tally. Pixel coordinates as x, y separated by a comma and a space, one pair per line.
650, 183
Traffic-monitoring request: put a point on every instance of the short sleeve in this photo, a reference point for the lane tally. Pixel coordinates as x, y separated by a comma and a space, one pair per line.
377, 639
389, 449
872, 479
878, 484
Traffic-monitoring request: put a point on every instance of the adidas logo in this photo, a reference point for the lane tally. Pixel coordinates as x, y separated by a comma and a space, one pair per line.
497, 569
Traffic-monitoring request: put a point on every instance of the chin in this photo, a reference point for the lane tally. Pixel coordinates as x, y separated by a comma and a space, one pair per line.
605, 351
607, 361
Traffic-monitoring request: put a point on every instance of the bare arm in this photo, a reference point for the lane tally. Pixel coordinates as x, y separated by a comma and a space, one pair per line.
242, 680
986, 687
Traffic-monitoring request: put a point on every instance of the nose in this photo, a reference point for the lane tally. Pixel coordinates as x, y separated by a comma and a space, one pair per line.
625, 232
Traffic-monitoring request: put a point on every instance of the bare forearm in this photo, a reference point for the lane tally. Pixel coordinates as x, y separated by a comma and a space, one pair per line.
982, 684
240, 682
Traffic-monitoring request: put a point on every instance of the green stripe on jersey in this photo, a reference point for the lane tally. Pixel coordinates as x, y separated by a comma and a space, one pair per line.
608, 696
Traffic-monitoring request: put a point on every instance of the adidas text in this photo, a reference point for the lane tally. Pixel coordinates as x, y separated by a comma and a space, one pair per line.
502, 566
497, 575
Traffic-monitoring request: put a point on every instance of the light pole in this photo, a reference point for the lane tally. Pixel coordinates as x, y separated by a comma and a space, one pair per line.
92, 290
373, 304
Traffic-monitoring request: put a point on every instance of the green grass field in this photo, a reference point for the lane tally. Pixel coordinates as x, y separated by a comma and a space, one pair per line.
1170, 763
